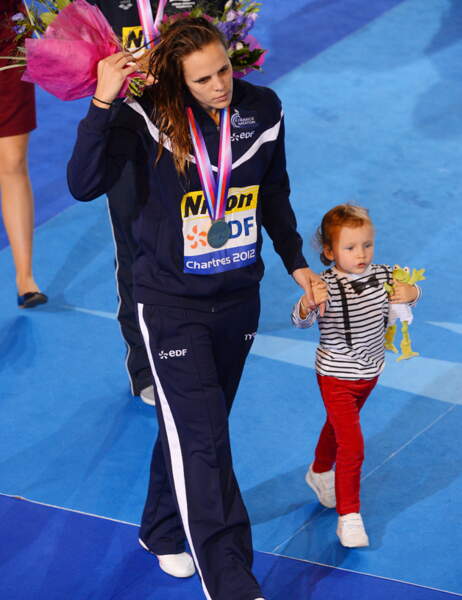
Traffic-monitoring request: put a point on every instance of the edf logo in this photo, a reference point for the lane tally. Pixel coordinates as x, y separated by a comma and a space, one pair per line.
238, 227
180, 353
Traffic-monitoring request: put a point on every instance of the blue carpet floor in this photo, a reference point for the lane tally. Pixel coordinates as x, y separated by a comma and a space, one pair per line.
372, 94
51, 554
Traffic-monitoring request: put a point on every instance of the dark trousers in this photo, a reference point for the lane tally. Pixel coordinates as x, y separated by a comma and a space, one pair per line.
197, 360
341, 440
123, 211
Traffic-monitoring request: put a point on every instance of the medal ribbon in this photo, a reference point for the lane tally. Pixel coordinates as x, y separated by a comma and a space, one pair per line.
149, 25
215, 190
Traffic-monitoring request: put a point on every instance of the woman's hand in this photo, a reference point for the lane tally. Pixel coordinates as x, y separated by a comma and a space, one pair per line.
403, 293
306, 279
320, 297
112, 72
320, 292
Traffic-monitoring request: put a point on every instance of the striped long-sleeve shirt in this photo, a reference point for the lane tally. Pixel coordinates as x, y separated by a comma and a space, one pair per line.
353, 326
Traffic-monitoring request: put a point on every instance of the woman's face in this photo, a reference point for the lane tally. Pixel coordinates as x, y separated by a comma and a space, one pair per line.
209, 76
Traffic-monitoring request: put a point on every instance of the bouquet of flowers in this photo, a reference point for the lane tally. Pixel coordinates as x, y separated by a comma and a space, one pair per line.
237, 20
244, 51
72, 37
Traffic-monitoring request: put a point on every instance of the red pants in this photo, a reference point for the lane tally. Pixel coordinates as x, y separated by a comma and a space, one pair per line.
341, 439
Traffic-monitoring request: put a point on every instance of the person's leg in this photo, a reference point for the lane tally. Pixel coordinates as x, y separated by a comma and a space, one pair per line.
343, 400
326, 449
161, 530
231, 348
320, 475
230, 363
195, 437
123, 206
18, 207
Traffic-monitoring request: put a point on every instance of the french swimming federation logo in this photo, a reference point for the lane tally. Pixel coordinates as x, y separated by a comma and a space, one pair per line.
239, 122
179, 353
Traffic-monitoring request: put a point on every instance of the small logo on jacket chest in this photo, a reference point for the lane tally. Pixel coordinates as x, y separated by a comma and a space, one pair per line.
242, 135
125, 4
239, 122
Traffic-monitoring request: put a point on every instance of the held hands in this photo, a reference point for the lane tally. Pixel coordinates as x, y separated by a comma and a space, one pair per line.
320, 296
112, 72
320, 292
314, 287
403, 293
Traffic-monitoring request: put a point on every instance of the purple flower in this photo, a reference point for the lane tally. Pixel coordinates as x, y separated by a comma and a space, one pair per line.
237, 24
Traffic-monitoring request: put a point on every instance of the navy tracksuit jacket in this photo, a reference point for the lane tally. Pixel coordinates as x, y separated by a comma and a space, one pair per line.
198, 311
123, 206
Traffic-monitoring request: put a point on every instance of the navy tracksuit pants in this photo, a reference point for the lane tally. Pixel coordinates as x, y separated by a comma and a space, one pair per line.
123, 211
197, 360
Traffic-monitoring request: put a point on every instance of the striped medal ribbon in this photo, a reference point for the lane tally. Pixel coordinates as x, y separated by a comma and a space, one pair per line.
148, 23
215, 190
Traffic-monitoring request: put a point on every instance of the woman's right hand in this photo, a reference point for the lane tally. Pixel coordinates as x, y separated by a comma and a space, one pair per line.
320, 292
112, 72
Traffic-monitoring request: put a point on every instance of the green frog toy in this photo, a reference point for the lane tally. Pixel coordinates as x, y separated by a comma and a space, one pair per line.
402, 312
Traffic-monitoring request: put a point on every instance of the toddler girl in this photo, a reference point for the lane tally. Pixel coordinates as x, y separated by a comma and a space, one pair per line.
349, 358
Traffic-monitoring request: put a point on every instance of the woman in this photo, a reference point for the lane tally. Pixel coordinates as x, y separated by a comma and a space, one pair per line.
17, 120
196, 276
124, 206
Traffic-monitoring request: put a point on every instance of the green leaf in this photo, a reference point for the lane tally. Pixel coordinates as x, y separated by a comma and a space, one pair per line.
62, 4
48, 18
196, 12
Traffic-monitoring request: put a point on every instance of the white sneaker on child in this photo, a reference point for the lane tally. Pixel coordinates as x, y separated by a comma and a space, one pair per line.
177, 565
351, 532
323, 485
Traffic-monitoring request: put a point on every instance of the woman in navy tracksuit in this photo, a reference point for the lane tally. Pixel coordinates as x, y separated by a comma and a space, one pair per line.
124, 206
198, 305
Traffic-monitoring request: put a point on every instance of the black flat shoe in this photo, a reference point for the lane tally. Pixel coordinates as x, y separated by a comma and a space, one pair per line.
31, 299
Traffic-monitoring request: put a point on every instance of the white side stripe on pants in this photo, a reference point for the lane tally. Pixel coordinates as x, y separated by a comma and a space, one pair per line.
174, 446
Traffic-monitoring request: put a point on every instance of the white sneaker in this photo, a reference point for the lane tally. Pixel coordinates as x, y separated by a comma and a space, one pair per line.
147, 396
177, 565
323, 485
351, 532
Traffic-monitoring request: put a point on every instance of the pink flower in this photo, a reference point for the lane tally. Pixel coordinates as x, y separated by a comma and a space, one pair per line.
65, 60
253, 44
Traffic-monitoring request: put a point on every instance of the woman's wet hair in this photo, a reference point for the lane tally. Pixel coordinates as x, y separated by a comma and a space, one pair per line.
340, 216
182, 38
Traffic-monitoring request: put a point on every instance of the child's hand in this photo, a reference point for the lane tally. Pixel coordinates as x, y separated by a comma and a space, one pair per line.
403, 293
320, 295
306, 278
